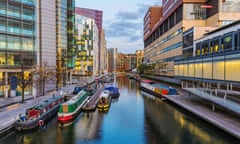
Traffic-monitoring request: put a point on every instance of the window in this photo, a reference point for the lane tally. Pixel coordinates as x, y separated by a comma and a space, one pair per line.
2, 24
14, 11
205, 47
227, 42
27, 44
28, 14
13, 27
179, 14
27, 29
235, 41
13, 42
216, 45
2, 42
3, 7
198, 49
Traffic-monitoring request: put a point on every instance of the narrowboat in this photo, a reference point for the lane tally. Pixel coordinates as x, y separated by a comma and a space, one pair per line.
104, 101
113, 90
37, 116
71, 108
157, 89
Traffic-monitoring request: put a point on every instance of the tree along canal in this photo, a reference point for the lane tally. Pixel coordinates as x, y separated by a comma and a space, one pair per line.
134, 118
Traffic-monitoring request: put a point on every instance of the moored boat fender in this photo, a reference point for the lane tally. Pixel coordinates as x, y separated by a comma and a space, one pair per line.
40, 123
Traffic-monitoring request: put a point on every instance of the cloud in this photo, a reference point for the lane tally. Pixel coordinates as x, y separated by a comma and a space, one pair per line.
127, 15
126, 29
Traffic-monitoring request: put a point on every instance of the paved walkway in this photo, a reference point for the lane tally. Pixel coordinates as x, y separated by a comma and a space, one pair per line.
233, 106
224, 121
11, 107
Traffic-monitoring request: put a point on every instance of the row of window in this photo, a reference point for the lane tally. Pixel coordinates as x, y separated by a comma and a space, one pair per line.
17, 58
169, 37
187, 11
167, 49
17, 11
16, 43
172, 20
226, 42
16, 27
27, 2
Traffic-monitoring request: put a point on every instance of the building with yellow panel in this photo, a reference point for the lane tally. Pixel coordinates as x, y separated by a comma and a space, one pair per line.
87, 50
213, 71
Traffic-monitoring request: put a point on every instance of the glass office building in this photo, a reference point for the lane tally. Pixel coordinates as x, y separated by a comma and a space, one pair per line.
61, 29
17, 41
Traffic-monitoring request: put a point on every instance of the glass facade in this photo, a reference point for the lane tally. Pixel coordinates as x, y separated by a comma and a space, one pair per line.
71, 48
17, 33
61, 16
17, 39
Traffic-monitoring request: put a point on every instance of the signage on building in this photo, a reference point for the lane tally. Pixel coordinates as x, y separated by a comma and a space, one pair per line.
206, 6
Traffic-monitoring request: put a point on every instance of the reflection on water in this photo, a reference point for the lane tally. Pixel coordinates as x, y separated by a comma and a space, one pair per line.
135, 117
169, 125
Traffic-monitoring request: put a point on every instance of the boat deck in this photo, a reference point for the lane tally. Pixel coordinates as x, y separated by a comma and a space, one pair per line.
92, 102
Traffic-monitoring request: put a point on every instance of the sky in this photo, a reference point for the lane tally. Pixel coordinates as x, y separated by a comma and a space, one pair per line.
122, 21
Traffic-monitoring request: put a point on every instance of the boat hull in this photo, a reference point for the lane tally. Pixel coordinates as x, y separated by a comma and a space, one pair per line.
115, 94
67, 112
35, 124
68, 117
103, 107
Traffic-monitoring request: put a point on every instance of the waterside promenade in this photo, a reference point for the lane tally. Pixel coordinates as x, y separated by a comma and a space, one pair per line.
224, 120
10, 108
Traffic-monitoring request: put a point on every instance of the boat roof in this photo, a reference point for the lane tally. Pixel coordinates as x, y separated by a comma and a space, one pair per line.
104, 93
146, 81
44, 103
111, 86
75, 98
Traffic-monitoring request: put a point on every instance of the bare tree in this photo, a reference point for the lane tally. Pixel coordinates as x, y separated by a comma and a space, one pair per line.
42, 75
24, 81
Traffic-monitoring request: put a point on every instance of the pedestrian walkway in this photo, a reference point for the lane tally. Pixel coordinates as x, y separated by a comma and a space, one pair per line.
233, 106
11, 107
92, 102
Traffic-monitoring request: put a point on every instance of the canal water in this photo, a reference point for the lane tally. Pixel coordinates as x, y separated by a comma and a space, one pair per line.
134, 118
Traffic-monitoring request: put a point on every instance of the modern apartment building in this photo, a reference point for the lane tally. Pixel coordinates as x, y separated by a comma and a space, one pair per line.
18, 46
122, 62
103, 54
112, 59
86, 61
140, 55
164, 43
97, 16
132, 61
152, 16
